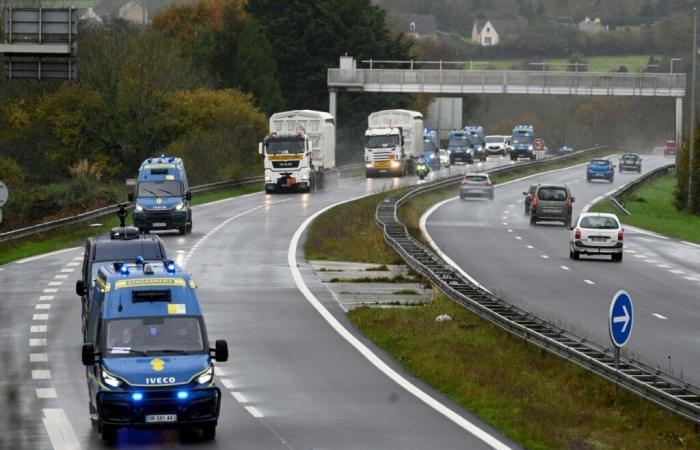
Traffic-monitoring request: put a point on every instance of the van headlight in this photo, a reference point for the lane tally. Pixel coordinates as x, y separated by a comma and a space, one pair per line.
111, 380
138, 208
529, 147
206, 376
179, 206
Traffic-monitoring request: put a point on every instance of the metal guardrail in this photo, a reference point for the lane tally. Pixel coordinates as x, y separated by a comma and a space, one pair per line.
652, 384
616, 197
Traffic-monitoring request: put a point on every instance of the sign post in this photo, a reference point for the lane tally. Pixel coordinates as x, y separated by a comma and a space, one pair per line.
4, 193
620, 322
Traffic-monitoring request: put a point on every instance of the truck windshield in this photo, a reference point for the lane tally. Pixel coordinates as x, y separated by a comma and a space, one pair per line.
388, 140
153, 335
284, 146
160, 189
522, 137
458, 140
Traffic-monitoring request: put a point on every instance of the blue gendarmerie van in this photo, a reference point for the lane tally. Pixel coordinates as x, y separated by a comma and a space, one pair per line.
147, 353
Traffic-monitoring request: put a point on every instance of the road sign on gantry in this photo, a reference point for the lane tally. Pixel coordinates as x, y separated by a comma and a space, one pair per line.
621, 319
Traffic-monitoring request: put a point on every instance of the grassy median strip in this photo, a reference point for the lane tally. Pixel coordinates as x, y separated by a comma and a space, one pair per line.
652, 208
73, 235
537, 399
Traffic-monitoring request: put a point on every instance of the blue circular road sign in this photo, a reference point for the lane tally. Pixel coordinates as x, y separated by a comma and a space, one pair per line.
621, 319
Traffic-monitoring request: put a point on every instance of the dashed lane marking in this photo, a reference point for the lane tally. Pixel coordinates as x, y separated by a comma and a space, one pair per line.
43, 298
73, 263
505, 224
588, 282
37, 342
59, 430
46, 393
254, 412
659, 316
67, 270
639, 256
509, 230
545, 256
43, 306
37, 329
518, 238
530, 247
62, 276
663, 266
228, 384
240, 398
41, 374
50, 291
691, 278
564, 267
55, 283
219, 371
677, 272
40, 317
38, 357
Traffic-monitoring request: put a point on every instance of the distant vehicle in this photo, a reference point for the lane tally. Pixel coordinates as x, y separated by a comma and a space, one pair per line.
670, 148
552, 202
422, 168
565, 150
600, 169
496, 145
476, 185
393, 141
597, 234
529, 195
631, 162
477, 141
431, 149
459, 148
298, 150
444, 157
521, 142
657, 151
162, 196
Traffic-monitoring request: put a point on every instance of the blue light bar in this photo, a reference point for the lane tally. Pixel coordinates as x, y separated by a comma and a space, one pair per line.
182, 395
170, 266
139, 260
124, 270
137, 396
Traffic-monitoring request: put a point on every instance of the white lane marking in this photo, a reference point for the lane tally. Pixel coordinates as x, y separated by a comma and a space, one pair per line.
50, 291
640, 256
68, 270
40, 317
73, 263
659, 316
80, 257
643, 231
60, 432
45, 298
46, 392
365, 351
663, 266
55, 283
240, 398
509, 230
219, 371
630, 251
43, 306
58, 252
254, 412
37, 329
545, 256
676, 271
588, 282
511, 206
564, 267
61, 277
505, 224
691, 244
228, 384
518, 238
530, 247
38, 357
37, 342
41, 374
651, 261
691, 279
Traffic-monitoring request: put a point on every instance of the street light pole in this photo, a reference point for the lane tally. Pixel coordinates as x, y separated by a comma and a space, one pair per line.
692, 110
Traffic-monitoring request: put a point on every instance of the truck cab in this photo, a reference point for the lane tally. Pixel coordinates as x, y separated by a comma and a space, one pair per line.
147, 356
288, 162
162, 196
521, 143
384, 152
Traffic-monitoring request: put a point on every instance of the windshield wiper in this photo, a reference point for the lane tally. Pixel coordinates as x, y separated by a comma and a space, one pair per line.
150, 191
126, 350
168, 192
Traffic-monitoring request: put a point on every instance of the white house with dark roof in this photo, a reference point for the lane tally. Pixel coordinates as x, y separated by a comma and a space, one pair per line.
487, 32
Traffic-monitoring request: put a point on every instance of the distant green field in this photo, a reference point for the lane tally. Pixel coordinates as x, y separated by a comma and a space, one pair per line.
595, 63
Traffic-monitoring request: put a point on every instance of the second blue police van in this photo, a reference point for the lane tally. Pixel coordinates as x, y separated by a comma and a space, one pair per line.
147, 353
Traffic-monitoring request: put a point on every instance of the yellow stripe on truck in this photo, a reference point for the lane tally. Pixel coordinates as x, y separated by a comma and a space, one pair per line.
382, 165
147, 282
291, 157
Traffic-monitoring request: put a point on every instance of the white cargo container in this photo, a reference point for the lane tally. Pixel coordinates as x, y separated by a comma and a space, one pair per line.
393, 140
299, 148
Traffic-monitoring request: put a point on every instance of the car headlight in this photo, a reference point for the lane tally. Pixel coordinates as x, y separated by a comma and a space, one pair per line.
206, 376
179, 206
529, 147
138, 208
111, 380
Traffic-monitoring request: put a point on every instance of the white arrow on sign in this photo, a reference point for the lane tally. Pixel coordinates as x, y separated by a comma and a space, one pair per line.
624, 318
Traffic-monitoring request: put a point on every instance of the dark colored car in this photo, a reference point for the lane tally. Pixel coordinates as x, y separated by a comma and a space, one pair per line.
631, 162
529, 195
552, 202
600, 169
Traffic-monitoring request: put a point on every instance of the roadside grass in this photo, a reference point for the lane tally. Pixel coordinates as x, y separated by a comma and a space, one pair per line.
535, 398
652, 208
74, 235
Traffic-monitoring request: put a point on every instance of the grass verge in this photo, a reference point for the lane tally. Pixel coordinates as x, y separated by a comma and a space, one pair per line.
73, 235
652, 208
537, 399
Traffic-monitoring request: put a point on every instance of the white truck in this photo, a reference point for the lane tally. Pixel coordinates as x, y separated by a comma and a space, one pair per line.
393, 140
299, 148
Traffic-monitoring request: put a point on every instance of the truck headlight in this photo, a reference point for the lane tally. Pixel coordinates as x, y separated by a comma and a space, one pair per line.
111, 380
304, 176
206, 376
368, 165
179, 206
138, 208
395, 163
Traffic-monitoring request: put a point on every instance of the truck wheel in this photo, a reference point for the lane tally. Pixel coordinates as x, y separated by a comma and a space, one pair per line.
269, 190
109, 433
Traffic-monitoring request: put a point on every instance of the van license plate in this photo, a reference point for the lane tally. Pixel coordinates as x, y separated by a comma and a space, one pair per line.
158, 224
161, 418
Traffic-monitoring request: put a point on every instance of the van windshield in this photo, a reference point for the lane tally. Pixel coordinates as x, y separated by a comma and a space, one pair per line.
153, 335
160, 189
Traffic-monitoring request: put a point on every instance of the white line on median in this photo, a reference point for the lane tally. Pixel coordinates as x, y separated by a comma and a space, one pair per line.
58, 252
59, 430
365, 351
659, 316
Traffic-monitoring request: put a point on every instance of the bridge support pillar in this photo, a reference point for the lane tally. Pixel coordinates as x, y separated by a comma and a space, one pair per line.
333, 104
679, 122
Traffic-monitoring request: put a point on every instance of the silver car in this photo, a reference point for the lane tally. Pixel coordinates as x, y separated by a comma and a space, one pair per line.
476, 185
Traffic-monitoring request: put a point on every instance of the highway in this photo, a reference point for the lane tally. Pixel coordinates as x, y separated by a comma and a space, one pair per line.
292, 380
529, 266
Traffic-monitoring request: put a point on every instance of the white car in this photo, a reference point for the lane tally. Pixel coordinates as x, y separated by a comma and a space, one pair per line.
496, 145
597, 234
444, 157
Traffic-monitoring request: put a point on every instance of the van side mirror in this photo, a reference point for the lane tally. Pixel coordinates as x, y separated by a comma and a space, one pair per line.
260, 148
88, 354
221, 350
188, 195
80, 288
130, 197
